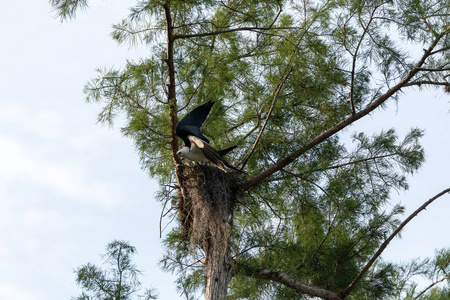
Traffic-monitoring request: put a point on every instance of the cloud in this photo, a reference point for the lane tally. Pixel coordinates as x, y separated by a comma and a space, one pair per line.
44, 122
97, 135
10, 292
19, 164
34, 217
116, 5
13, 160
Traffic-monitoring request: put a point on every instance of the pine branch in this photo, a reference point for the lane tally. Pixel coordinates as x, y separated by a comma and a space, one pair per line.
67, 9
434, 69
431, 285
355, 55
288, 281
383, 246
269, 113
428, 25
347, 121
440, 50
354, 162
427, 82
217, 32
239, 12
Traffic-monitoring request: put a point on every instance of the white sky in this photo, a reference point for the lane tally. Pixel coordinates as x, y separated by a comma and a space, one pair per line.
69, 186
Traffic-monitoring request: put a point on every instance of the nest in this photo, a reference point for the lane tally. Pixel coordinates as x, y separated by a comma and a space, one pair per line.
206, 206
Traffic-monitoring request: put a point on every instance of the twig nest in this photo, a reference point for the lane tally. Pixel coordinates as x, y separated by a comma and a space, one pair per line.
206, 204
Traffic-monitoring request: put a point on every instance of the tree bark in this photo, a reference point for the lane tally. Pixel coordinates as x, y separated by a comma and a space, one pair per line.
171, 92
218, 273
206, 196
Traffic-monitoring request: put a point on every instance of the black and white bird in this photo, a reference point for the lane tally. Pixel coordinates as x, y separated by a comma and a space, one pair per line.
196, 145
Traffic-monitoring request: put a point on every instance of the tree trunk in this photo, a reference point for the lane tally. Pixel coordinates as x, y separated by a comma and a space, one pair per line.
207, 199
218, 273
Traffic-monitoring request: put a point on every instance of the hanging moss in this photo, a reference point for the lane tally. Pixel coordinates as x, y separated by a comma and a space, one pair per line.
206, 204
207, 199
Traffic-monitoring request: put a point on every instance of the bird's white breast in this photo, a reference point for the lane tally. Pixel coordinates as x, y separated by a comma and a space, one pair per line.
194, 154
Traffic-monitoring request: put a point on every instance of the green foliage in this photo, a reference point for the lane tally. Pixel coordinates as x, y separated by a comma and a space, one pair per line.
430, 272
128, 92
282, 73
66, 9
118, 282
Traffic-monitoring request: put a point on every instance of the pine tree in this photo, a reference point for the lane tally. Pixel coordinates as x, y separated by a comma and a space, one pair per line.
118, 282
312, 214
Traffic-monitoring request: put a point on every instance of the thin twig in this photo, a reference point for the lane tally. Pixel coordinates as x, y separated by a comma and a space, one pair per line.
428, 25
355, 55
269, 113
356, 161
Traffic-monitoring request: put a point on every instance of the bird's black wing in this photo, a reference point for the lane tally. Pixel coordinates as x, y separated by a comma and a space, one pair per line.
198, 115
191, 123
224, 152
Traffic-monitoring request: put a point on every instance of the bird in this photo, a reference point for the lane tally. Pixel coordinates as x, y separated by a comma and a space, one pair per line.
196, 145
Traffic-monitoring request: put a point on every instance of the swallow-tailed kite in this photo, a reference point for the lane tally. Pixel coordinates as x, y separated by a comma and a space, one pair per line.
196, 145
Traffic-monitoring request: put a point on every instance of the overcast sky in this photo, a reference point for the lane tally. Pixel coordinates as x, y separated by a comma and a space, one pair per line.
69, 186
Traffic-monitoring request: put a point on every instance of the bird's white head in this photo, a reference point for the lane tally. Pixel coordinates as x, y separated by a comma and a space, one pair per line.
183, 152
